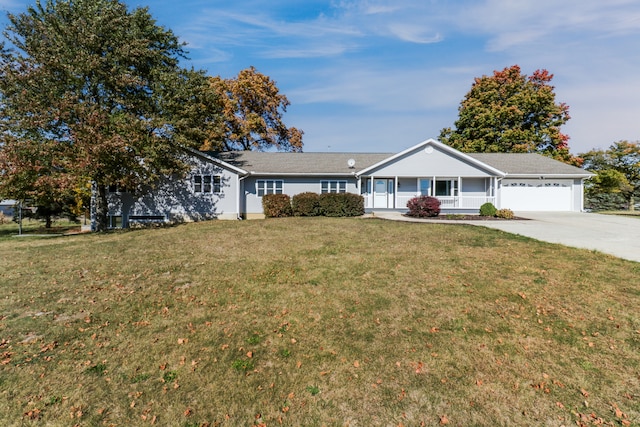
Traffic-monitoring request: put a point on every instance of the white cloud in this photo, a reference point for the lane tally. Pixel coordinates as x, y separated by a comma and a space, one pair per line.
414, 33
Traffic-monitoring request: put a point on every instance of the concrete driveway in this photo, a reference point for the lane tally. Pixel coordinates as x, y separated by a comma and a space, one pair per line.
610, 234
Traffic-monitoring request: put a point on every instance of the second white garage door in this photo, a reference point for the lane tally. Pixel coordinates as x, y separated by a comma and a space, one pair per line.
536, 195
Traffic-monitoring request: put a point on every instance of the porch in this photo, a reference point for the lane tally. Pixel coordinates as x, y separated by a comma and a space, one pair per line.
455, 193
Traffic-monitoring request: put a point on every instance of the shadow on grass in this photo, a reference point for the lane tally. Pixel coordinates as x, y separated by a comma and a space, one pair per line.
37, 228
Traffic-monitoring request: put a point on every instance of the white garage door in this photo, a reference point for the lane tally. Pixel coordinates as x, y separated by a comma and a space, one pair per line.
536, 195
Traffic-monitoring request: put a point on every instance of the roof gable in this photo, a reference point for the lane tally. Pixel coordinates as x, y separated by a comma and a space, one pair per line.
431, 156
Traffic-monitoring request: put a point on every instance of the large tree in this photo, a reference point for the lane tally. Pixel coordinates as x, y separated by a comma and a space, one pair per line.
511, 112
253, 109
92, 91
617, 171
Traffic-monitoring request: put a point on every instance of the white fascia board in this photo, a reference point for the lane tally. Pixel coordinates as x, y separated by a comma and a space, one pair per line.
222, 163
440, 146
549, 175
314, 174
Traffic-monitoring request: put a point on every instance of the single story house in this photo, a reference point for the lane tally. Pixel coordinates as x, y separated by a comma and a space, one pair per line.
7, 207
230, 185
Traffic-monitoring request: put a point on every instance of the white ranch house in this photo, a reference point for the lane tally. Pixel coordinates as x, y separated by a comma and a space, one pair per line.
230, 185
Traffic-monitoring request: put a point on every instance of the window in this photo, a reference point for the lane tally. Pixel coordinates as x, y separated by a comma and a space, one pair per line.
425, 187
268, 186
333, 186
207, 184
447, 188
115, 221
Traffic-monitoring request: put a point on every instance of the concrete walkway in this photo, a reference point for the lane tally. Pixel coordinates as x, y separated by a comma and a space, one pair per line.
611, 234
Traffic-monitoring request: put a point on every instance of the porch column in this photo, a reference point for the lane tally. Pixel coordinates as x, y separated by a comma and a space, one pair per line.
372, 195
459, 198
433, 186
395, 192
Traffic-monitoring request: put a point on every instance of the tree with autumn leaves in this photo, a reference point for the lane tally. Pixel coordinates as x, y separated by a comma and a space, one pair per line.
252, 111
90, 91
511, 112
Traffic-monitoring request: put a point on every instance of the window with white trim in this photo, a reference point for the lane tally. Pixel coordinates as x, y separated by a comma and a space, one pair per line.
268, 186
207, 184
333, 186
448, 187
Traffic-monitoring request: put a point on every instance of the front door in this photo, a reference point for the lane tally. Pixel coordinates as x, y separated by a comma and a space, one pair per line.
383, 193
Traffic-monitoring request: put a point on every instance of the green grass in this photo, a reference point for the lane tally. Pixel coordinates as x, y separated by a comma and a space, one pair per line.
316, 321
31, 227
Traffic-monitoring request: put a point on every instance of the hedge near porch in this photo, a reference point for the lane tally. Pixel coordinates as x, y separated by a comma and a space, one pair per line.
312, 204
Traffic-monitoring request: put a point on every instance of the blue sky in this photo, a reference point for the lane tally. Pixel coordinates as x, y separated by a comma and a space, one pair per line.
383, 75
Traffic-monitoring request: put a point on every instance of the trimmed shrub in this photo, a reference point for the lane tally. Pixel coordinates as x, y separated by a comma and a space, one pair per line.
488, 209
305, 204
341, 204
423, 206
276, 205
353, 204
505, 214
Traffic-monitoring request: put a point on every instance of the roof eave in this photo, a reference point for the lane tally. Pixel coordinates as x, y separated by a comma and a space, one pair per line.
217, 161
348, 174
548, 175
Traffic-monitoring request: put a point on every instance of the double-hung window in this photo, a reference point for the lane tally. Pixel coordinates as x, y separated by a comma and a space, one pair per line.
207, 184
268, 186
333, 186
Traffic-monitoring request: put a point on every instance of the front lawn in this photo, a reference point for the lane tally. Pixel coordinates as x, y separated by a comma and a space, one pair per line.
316, 321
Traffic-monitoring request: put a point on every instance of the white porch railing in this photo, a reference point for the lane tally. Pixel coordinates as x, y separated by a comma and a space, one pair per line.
448, 202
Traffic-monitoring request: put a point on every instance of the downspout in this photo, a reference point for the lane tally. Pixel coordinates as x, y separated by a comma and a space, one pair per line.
238, 182
495, 192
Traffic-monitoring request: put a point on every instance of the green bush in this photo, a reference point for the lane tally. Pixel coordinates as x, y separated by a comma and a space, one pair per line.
423, 206
305, 204
276, 205
505, 213
341, 204
353, 204
488, 209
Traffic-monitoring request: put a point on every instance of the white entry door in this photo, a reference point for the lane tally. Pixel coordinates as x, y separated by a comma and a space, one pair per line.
383, 193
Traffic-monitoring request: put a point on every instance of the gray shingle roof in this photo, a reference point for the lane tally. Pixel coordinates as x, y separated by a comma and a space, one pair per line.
336, 163
527, 164
300, 163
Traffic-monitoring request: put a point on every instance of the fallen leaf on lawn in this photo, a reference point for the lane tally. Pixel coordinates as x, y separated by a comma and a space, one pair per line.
356, 364
250, 354
444, 420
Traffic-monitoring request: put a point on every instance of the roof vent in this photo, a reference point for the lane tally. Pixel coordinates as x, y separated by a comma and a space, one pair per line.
351, 163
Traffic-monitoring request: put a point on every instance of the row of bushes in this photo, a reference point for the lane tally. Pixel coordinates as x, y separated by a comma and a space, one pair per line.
489, 210
427, 206
313, 204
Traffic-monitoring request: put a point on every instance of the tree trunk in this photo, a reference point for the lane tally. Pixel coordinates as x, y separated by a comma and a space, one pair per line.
47, 221
631, 203
102, 209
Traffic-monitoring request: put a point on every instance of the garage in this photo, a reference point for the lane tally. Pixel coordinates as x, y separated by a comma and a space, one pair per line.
536, 195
